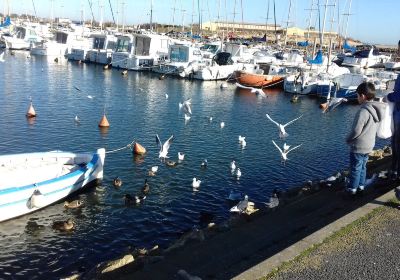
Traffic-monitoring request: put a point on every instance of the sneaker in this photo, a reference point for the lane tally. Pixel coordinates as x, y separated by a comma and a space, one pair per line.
361, 188
351, 191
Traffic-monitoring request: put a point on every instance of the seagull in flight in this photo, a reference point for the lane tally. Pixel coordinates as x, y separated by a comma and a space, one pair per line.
282, 131
233, 166
186, 106
285, 147
284, 153
332, 104
252, 89
164, 147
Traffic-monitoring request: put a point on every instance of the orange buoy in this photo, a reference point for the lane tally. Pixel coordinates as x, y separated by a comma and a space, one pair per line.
104, 122
31, 111
139, 149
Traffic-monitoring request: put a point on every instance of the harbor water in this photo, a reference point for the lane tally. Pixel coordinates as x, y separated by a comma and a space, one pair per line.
139, 106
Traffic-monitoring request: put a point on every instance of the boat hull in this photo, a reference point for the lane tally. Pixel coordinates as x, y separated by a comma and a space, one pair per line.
49, 177
258, 80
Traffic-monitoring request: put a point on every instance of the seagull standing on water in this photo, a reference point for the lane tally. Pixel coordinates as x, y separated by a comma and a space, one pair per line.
164, 147
284, 153
233, 166
181, 156
2, 57
196, 183
282, 132
238, 173
241, 206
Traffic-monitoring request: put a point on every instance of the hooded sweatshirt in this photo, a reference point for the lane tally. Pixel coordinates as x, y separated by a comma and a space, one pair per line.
395, 97
362, 134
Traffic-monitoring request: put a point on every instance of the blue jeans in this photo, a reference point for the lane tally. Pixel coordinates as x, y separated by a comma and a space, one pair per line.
396, 148
358, 170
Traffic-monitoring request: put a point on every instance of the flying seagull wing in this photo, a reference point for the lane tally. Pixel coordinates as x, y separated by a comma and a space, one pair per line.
292, 121
272, 120
168, 143
158, 142
293, 148
277, 146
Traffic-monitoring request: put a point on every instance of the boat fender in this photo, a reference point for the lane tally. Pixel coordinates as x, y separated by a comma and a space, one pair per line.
37, 199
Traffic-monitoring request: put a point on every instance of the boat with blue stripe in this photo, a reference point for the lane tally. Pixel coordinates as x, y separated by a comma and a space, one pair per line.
32, 181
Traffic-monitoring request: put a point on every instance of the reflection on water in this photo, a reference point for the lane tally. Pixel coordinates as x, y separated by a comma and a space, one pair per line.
136, 108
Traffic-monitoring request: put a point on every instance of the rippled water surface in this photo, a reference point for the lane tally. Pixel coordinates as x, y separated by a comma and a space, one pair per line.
137, 108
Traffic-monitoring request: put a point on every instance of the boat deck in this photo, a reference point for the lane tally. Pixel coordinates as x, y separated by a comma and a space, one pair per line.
26, 174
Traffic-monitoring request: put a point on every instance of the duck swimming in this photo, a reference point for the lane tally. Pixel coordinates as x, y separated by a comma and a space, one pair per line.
64, 225
171, 163
73, 204
146, 187
117, 182
137, 199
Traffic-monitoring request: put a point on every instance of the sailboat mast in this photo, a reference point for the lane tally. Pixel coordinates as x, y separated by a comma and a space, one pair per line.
234, 15
323, 24
287, 22
276, 34
347, 20
151, 15
266, 22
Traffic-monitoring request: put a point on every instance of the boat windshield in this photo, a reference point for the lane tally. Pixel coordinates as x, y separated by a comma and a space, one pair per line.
209, 48
179, 54
98, 43
123, 45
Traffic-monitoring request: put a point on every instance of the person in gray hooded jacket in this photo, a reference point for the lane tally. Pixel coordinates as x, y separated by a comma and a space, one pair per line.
361, 137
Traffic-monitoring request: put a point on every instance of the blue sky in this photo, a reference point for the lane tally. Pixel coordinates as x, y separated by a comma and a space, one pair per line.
371, 21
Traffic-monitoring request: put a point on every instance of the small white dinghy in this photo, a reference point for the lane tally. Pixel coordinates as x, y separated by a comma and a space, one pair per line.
32, 181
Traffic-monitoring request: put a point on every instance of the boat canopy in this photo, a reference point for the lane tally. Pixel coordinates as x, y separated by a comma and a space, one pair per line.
6, 22
317, 59
302, 44
346, 46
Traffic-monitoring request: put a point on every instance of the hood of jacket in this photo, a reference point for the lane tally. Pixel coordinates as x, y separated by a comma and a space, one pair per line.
376, 109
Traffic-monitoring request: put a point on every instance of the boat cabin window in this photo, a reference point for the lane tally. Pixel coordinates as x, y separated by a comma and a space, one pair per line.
209, 48
98, 43
179, 54
123, 45
361, 54
111, 45
196, 53
20, 33
142, 45
61, 37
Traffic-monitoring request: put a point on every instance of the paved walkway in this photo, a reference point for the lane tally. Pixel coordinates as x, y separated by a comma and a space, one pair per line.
369, 249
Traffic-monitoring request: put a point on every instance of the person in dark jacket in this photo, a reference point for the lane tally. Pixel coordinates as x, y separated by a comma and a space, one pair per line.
361, 137
395, 98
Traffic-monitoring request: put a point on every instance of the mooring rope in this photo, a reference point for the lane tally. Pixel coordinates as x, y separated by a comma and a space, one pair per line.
122, 148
